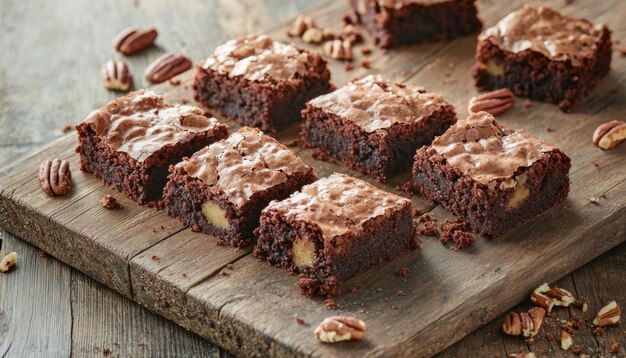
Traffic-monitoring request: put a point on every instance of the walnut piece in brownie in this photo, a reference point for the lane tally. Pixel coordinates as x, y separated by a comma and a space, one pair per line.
544, 55
130, 142
222, 188
374, 125
334, 229
259, 82
403, 22
492, 177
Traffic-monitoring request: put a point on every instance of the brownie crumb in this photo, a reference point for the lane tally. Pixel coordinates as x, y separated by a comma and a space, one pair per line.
43, 254
298, 319
394, 307
347, 20
294, 143
406, 187
549, 129
550, 337
223, 272
348, 66
319, 155
366, 50
365, 63
622, 51
598, 331
530, 341
577, 349
184, 101
425, 225
614, 347
67, 128
196, 228
528, 103
403, 271
154, 257
174, 81
229, 266
400, 293
330, 304
109, 202
353, 290
184, 274
596, 165
455, 231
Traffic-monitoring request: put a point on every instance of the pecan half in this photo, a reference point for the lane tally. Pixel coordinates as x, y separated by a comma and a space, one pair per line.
512, 324
608, 315
166, 67
340, 328
495, 103
300, 25
610, 134
134, 40
116, 76
55, 177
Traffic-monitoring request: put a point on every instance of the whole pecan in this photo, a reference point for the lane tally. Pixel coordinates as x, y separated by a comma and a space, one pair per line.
166, 67
496, 102
610, 134
340, 328
134, 40
116, 76
55, 177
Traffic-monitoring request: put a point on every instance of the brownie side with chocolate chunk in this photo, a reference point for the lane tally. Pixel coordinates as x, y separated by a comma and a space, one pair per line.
334, 229
542, 54
403, 22
490, 176
130, 142
259, 82
374, 125
222, 188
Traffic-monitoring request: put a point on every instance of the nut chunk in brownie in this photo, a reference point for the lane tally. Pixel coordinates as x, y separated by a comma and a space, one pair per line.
334, 229
222, 188
131, 142
259, 82
402, 22
374, 125
541, 54
491, 176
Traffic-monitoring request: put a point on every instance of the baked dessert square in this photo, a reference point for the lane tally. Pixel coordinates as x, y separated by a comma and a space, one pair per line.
404, 22
222, 188
542, 54
130, 142
492, 177
334, 229
259, 82
374, 125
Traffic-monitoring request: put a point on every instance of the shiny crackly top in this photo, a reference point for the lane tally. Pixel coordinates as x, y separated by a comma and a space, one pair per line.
257, 57
374, 103
141, 123
338, 204
245, 163
481, 148
547, 31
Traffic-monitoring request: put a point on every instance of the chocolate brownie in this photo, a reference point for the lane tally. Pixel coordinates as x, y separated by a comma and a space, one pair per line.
131, 142
334, 229
222, 188
541, 54
374, 125
261, 83
491, 176
402, 22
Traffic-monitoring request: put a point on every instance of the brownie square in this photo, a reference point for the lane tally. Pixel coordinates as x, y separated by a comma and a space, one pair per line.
260, 83
492, 177
374, 125
403, 22
222, 188
541, 54
334, 229
130, 142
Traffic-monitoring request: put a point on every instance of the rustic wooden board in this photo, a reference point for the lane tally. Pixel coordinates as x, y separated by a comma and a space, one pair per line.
153, 260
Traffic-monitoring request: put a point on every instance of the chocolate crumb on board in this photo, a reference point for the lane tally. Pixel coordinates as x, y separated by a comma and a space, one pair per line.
330, 304
455, 231
598, 331
229, 266
174, 81
184, 101
622, 51
528, 103
43, 254
425, 225
403, 271
223, 272
394, 307
348, 66
577, 349
296, 142
417, 212
549, 129
319, 155
614, 347
353, 290
400, 293
67, 128
154, 257
109, 202
366, 50
298, 319
347, 19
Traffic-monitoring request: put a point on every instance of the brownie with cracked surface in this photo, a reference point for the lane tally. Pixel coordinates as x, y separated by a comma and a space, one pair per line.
130, 142
541, 54
491, 176
334, 229
222, 188
374, 125
403, 22
259, 82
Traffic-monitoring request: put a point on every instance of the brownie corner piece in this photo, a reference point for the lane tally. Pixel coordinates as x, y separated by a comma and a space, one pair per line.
221, 189
492, 177
374, 125
404, 22
259, 82
130, 142
334, 229
541, 54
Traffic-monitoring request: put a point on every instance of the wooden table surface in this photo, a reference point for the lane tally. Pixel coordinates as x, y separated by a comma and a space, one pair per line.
50, 57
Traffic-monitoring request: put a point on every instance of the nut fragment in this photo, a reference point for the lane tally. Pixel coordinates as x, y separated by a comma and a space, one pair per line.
564, 297
55, 177
526, 323
495, 103
8, 262
608, 315
134, 40
304, 252
566, 340
537, 315
340, 328
313, 35
352, 34
116, 76
512, 324
493, 67
546, 297
521, 191
109, 202
166, 67
215, 215
338, 49
610, 134
523, 355
300, 25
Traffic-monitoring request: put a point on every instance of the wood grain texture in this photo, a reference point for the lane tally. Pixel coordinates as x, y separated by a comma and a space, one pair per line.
228, 315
